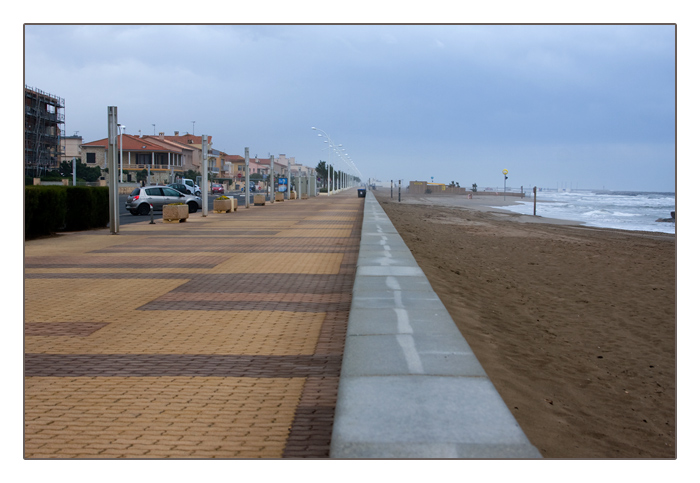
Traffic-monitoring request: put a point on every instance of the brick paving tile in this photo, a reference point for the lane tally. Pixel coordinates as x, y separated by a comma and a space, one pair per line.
229, 347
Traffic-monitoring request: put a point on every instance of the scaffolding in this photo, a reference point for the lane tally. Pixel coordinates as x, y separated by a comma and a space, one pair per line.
43, 121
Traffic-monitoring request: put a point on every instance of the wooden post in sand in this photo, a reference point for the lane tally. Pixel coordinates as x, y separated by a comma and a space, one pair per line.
534, 209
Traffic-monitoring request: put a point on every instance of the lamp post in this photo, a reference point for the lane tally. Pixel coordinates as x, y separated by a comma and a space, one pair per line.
329, 157
344, 178
505, 177
121, 152
340, 174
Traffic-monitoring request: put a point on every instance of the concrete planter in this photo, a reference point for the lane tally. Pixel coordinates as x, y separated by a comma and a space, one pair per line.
225, 206
293, 195
279, 197
259, 200
304, 196
175, 213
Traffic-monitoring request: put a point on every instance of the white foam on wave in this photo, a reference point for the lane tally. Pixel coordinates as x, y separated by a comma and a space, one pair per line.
634, 211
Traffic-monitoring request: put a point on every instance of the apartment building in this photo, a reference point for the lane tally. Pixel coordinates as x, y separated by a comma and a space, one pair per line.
137, 154
70, 147
43, 124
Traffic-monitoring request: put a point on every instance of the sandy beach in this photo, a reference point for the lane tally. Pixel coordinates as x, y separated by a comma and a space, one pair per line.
575, 326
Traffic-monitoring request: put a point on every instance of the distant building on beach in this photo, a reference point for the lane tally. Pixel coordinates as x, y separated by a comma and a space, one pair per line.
424, 187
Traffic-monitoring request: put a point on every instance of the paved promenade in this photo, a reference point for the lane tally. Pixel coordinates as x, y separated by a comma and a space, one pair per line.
219, 337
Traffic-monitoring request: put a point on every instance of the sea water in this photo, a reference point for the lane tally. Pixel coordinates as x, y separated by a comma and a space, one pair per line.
623, 210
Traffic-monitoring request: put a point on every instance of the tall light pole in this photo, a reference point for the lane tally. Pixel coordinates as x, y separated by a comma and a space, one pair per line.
329, 157
193, 128
112, 169
340, 175
121, 152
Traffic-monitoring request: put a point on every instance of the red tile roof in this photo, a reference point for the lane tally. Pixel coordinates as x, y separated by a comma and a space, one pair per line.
178, 147
134, 143
187, 139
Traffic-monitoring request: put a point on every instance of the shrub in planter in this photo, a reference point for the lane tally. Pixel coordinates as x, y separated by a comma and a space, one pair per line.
223, 204
175, 213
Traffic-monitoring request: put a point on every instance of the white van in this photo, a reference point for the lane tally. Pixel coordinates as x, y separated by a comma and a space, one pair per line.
192, 187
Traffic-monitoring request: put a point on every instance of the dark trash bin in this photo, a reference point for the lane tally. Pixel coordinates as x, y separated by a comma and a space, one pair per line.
361, 193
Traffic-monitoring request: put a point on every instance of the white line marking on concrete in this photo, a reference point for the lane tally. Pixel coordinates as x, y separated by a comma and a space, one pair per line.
393, 283
410, 353
404, 325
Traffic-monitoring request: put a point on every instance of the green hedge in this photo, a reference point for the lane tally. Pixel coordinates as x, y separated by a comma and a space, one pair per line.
49, 209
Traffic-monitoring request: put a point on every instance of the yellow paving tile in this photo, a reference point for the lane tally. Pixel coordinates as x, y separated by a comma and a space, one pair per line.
70, 300
316, 232
193, 332
74, 244
306, 263
137, 418
111, 270
331, 218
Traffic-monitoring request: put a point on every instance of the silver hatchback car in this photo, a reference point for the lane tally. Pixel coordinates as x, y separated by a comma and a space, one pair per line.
140, 200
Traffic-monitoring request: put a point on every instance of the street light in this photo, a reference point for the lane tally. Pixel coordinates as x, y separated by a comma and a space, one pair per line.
337, 173
342, 155
121, 152
329, 157
329, 183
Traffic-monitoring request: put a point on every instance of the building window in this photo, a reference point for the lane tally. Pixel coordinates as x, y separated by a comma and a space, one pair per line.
91, 158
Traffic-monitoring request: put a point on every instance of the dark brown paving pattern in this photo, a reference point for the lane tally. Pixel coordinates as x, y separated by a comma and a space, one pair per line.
155, 365
67, 329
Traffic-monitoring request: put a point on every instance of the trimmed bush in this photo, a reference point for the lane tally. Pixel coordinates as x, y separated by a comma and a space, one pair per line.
49, 209
86, 207
44, 210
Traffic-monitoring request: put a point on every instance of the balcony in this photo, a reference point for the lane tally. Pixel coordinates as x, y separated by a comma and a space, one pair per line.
154, 167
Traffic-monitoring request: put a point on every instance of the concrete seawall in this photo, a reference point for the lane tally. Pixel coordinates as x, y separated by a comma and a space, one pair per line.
410, 385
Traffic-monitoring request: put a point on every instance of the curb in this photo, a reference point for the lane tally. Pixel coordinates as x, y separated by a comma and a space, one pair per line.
410, 385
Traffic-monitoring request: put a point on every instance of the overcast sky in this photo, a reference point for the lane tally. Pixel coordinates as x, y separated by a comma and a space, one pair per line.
589, 106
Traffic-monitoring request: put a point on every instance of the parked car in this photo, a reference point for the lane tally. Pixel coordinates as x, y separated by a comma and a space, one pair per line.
192, 187
180, 187
140, 200
217, 189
